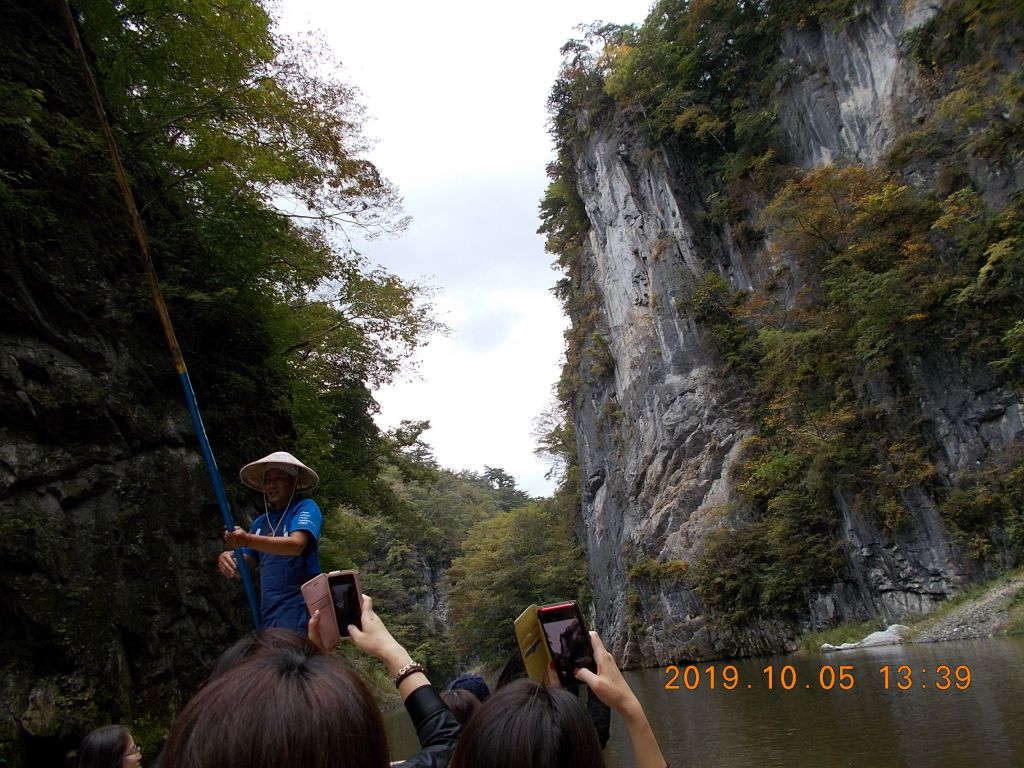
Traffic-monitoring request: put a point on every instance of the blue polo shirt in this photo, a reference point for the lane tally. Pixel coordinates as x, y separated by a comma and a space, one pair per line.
281, 603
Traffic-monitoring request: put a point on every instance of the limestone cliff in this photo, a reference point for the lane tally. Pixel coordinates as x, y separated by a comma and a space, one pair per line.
661, 423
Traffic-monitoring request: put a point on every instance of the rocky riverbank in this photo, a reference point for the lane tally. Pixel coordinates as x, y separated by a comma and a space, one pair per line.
987, 610
997, 610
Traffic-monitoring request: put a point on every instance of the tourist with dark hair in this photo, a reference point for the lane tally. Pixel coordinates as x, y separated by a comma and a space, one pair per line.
462, 703
258, 643
277, 708
597, 710
436, 726
525, 723
275, 700
111, 746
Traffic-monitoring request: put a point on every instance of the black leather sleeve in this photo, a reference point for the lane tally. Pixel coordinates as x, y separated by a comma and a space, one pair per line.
436, 727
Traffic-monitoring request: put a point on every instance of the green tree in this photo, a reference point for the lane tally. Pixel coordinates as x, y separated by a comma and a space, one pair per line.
245, 151
452, 501
525, 556
208, 90
508, 495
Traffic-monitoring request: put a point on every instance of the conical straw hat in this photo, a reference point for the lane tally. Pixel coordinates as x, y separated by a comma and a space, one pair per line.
305, 478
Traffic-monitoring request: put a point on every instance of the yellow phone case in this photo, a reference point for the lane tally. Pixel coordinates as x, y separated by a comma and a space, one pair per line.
533, 649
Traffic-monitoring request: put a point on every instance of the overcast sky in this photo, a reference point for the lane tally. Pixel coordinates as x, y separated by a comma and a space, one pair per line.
456, 94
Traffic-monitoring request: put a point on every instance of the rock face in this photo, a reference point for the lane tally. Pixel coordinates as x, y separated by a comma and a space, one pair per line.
108, 523
108, 526
108, 529
849, 90
659, 427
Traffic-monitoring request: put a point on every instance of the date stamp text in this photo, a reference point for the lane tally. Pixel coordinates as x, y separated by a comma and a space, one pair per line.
828, 677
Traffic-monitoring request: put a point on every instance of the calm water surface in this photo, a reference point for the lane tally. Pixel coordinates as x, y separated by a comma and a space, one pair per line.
867, 725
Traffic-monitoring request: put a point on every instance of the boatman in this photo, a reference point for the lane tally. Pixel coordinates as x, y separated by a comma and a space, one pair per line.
282, 541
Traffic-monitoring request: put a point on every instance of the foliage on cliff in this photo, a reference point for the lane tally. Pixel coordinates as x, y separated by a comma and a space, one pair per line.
892, 271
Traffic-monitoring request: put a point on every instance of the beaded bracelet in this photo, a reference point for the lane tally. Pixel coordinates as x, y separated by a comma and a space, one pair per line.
409, 669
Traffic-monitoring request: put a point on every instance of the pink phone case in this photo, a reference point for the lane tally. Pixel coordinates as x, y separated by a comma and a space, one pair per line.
317, 595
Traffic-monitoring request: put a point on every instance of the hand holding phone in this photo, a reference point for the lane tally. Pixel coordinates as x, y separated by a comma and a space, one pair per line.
567, 639
338, 598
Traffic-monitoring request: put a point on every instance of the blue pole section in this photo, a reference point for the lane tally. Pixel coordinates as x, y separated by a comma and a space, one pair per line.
218, 489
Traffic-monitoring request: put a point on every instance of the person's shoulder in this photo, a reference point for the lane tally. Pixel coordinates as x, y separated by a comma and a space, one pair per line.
305, 511
305, 505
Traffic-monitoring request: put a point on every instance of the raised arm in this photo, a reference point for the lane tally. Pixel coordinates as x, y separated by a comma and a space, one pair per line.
375, 640
436, 726
611, 687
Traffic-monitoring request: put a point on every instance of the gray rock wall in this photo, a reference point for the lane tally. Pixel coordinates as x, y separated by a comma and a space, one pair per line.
848, 90
659, 430
110, 606
111, 603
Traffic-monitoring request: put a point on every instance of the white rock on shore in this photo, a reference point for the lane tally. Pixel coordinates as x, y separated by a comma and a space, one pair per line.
894, 634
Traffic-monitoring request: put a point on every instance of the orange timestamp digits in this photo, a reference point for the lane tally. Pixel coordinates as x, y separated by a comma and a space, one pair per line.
727, 677
942, 677
829, 677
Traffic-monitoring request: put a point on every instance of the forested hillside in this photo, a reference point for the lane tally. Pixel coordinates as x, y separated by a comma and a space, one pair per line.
791, 237
455, 560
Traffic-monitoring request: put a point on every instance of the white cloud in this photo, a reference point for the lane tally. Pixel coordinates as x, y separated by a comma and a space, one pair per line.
482, 399
457, 92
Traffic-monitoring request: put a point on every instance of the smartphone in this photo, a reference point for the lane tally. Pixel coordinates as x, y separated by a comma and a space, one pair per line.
532, 646
317, 594
567, 639
347, 600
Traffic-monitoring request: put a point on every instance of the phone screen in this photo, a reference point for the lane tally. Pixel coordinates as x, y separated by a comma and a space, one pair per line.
568, 640
345, 596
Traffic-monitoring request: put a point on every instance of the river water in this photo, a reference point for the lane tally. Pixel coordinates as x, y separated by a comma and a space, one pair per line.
947, 705
913, 722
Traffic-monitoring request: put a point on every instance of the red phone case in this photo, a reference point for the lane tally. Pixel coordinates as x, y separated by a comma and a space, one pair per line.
561, 612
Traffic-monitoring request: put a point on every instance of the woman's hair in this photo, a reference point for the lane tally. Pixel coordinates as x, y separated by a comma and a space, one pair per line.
104, 748
279, 707
514, 669
259, 642
462, 703
527, 725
